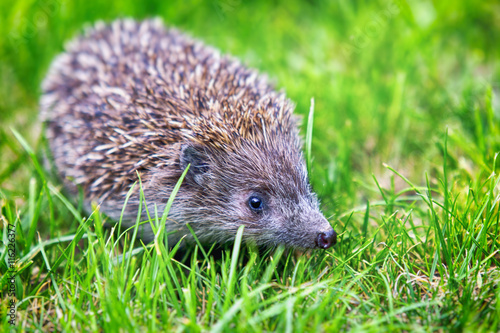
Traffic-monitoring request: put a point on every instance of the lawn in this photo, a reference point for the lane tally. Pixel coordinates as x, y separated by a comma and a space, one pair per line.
404, 148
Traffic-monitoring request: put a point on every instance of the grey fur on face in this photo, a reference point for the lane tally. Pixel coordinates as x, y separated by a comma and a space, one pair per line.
134, 97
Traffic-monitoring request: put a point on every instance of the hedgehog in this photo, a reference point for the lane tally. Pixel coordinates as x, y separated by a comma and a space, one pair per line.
136, 99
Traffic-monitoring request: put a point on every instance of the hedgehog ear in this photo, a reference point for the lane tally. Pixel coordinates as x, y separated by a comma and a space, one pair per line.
197, 157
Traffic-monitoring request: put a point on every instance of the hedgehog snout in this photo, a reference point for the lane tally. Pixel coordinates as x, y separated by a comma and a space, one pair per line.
326, 239
324, 236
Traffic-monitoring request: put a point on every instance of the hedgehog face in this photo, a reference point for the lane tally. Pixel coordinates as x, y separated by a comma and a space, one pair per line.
262, 188
272, 219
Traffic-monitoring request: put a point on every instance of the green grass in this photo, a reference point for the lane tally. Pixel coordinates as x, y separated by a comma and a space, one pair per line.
404, 149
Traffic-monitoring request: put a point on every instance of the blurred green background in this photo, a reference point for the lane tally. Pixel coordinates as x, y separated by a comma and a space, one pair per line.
388, 77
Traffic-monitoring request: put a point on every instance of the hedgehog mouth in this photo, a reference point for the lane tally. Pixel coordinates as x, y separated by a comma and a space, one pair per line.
294, 240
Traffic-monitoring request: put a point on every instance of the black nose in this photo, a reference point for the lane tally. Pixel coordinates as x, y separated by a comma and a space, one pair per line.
326, 239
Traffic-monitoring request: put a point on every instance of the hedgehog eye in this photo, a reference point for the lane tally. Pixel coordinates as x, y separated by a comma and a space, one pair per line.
256, 203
